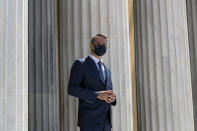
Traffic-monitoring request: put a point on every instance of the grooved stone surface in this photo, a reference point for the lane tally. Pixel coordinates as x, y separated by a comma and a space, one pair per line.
13, 65
164, 90
192, 29
43, 86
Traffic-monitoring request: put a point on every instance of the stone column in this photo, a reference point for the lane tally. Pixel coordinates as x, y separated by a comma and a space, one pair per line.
163, 66
43, 66
13, 65
192, 29
80, 20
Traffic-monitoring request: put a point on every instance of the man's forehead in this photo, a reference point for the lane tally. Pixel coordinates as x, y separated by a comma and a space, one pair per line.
100, 39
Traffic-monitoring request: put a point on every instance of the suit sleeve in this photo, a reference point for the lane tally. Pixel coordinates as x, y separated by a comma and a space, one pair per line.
74, 86
113, 103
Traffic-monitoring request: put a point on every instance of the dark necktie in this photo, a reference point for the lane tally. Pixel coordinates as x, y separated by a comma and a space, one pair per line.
101, 70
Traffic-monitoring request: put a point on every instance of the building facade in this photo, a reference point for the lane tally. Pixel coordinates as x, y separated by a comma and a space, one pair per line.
151, 54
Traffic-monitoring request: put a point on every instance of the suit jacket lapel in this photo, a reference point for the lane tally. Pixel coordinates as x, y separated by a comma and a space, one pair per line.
95, 69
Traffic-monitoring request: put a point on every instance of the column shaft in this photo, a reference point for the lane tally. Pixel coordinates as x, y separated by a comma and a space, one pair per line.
43, 66
80, 20
192, 29
163, 66
13, 65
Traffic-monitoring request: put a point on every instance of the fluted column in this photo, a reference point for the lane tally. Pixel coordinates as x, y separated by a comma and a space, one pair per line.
80, 20
163, 66
13, 65
43, 66
192, 29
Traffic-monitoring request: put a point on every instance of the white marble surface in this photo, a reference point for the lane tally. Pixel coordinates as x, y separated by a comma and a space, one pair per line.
13, 65
192, 29
43, 66
163, 66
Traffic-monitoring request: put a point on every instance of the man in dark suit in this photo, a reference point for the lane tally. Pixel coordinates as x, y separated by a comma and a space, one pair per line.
90, 81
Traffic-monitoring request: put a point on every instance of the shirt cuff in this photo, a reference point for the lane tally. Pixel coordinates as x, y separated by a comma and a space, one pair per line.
96, 92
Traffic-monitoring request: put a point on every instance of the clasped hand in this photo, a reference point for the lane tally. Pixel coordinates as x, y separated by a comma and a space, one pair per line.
108, 96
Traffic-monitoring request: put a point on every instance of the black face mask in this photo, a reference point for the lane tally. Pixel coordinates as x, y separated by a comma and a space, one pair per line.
100, 50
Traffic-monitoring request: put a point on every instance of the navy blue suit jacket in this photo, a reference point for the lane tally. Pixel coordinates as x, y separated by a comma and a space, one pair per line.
84, 80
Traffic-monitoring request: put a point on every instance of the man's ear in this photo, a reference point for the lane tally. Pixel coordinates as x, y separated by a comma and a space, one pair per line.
91, 46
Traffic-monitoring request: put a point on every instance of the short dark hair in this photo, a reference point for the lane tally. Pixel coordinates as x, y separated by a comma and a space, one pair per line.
100, 35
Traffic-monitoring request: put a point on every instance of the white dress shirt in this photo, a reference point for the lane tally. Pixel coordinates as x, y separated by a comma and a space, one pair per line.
96, 60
